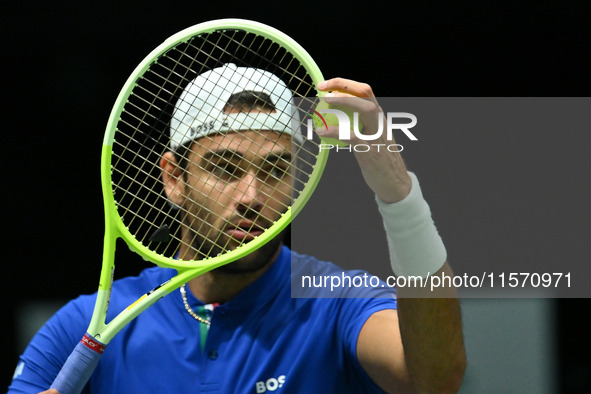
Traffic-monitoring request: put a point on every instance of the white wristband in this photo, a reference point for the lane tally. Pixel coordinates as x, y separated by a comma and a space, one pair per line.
416, 249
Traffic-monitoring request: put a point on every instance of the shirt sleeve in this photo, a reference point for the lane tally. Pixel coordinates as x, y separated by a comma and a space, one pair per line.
51, 346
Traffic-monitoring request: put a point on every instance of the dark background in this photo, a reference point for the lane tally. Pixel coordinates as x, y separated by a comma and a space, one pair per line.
65, 62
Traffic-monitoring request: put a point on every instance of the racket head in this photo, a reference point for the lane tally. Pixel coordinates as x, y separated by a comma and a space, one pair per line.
137, 137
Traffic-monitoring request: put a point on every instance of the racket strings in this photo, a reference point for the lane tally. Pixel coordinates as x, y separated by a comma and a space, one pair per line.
146, 118
204, 222
152, 206
310, 86
261, 216
267, 196
227, 162
293, 75
232, 197
299, 74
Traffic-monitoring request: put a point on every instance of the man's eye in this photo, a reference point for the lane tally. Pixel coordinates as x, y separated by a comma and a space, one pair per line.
223, 170
278, 172
275, 172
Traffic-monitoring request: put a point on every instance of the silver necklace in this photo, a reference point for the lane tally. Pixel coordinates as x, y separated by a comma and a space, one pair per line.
189, 309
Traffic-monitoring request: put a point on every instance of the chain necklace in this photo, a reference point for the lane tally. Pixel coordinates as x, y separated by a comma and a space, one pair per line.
190, 310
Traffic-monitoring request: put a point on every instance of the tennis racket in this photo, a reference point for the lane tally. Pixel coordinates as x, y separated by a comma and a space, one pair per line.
158, 111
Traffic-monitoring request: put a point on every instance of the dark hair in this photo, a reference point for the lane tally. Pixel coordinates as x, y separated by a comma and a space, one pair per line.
248, 100
244, 101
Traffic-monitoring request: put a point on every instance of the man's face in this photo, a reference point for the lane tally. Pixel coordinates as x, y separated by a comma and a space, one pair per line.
235, 185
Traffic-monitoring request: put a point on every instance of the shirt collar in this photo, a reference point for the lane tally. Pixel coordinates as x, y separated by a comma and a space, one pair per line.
261, 291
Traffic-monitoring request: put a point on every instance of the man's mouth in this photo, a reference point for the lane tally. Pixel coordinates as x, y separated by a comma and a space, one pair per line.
245, 230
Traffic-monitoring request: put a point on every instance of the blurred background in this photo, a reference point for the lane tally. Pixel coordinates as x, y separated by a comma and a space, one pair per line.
64, 63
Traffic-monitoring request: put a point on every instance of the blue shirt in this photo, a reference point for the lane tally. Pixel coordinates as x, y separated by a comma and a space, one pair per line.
263, 340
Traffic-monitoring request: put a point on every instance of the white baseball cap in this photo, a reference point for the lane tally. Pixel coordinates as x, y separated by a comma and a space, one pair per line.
199, 110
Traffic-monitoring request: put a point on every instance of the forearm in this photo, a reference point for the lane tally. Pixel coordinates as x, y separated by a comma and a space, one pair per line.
429, 317
431, 332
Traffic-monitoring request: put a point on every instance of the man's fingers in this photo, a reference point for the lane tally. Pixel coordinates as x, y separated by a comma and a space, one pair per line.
369, 111
353, 103
348, 86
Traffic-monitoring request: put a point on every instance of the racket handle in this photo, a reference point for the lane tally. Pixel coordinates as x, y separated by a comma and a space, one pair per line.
79, 366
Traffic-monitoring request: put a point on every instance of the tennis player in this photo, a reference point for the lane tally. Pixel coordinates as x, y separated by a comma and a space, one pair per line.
237, 329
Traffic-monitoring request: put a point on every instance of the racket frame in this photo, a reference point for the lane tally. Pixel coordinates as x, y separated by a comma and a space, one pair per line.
114, 225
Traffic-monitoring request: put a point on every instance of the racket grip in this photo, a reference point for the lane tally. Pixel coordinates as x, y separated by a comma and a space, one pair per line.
79, 366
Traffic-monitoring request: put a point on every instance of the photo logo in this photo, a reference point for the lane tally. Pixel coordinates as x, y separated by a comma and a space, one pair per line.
345, 129
314, 112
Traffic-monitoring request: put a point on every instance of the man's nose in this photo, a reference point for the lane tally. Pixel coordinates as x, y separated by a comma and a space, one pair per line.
249, 193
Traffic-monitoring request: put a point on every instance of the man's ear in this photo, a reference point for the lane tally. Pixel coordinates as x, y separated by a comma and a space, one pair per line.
172, 178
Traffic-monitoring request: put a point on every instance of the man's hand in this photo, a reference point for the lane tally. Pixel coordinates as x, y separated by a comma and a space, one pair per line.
384, 172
